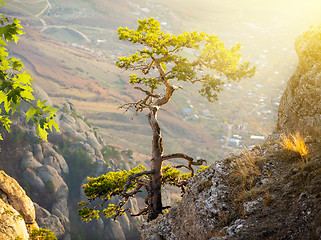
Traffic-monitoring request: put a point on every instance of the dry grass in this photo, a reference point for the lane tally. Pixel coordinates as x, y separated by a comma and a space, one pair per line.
295, 143
246, 168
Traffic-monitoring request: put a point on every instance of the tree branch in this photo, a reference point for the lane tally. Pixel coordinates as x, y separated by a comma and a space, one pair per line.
139, 106
142, 212
133, 177
148, 93
139, 186
148, 68
190, 160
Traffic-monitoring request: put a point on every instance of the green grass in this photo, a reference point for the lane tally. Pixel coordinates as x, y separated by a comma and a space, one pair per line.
64, 35
89, 30
29, 7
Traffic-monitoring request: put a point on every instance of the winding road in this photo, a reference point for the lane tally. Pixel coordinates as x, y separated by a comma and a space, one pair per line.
45, 26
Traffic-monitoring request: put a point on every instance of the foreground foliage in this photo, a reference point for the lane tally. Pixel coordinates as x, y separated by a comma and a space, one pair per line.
162, 64
16, 85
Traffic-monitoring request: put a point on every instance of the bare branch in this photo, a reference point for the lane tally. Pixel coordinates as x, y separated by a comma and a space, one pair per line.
190, 160
142, 212
148, 68
138, 106
148, 93
135, 176
177, 155
137, 190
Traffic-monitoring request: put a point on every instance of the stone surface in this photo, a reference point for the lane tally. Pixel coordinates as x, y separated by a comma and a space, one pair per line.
33, 180
29, 161
48, 173
12, 225
17, 197
113, 230
300, 105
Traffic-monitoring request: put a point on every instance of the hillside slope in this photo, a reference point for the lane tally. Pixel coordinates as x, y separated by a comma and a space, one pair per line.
71, 47
269, 192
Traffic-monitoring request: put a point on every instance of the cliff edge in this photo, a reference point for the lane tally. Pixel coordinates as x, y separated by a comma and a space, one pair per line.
270, 192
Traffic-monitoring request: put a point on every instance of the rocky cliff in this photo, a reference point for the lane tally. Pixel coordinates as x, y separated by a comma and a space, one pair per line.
270, 192
300, 105
52, 173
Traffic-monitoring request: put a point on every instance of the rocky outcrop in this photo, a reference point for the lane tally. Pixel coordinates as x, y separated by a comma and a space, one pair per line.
200, 210
12, 226
300, 105
17, 212
17, 197
44, 171
260, 194
42, 168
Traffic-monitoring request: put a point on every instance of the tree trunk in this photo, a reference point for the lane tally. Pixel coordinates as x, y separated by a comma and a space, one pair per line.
155, 206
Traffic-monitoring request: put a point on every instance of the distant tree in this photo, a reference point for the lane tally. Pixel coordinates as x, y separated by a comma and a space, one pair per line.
15, 85
161, 63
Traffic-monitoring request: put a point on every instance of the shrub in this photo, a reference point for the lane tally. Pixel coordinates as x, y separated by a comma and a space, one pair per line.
42, 234
295, 143
50, 186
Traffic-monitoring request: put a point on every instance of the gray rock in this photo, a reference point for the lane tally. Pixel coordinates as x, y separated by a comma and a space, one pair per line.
113, 230
82, 125
48, 150
33, 179
93, 142
29, 161
125, 224
47, 173
62, 206
37, 152
52, 162
52, 223
41, 212
62, 162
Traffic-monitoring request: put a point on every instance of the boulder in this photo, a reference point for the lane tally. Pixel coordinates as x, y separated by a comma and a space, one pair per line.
48, 173
37, 152
33, 179
12, 225
62, 162
17, 197
54, 159
50, 221
52, 162
28, 161
82, 125
93, 142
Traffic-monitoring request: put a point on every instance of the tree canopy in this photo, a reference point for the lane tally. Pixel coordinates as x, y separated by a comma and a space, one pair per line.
162, 61
16, 85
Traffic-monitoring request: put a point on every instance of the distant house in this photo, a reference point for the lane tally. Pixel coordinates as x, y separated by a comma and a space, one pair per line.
237, 136
255, 137
206, 112
187, 112
234, 142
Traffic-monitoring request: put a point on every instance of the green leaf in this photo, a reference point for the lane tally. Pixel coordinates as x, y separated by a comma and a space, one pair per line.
31, 112
41, 132
52, 123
